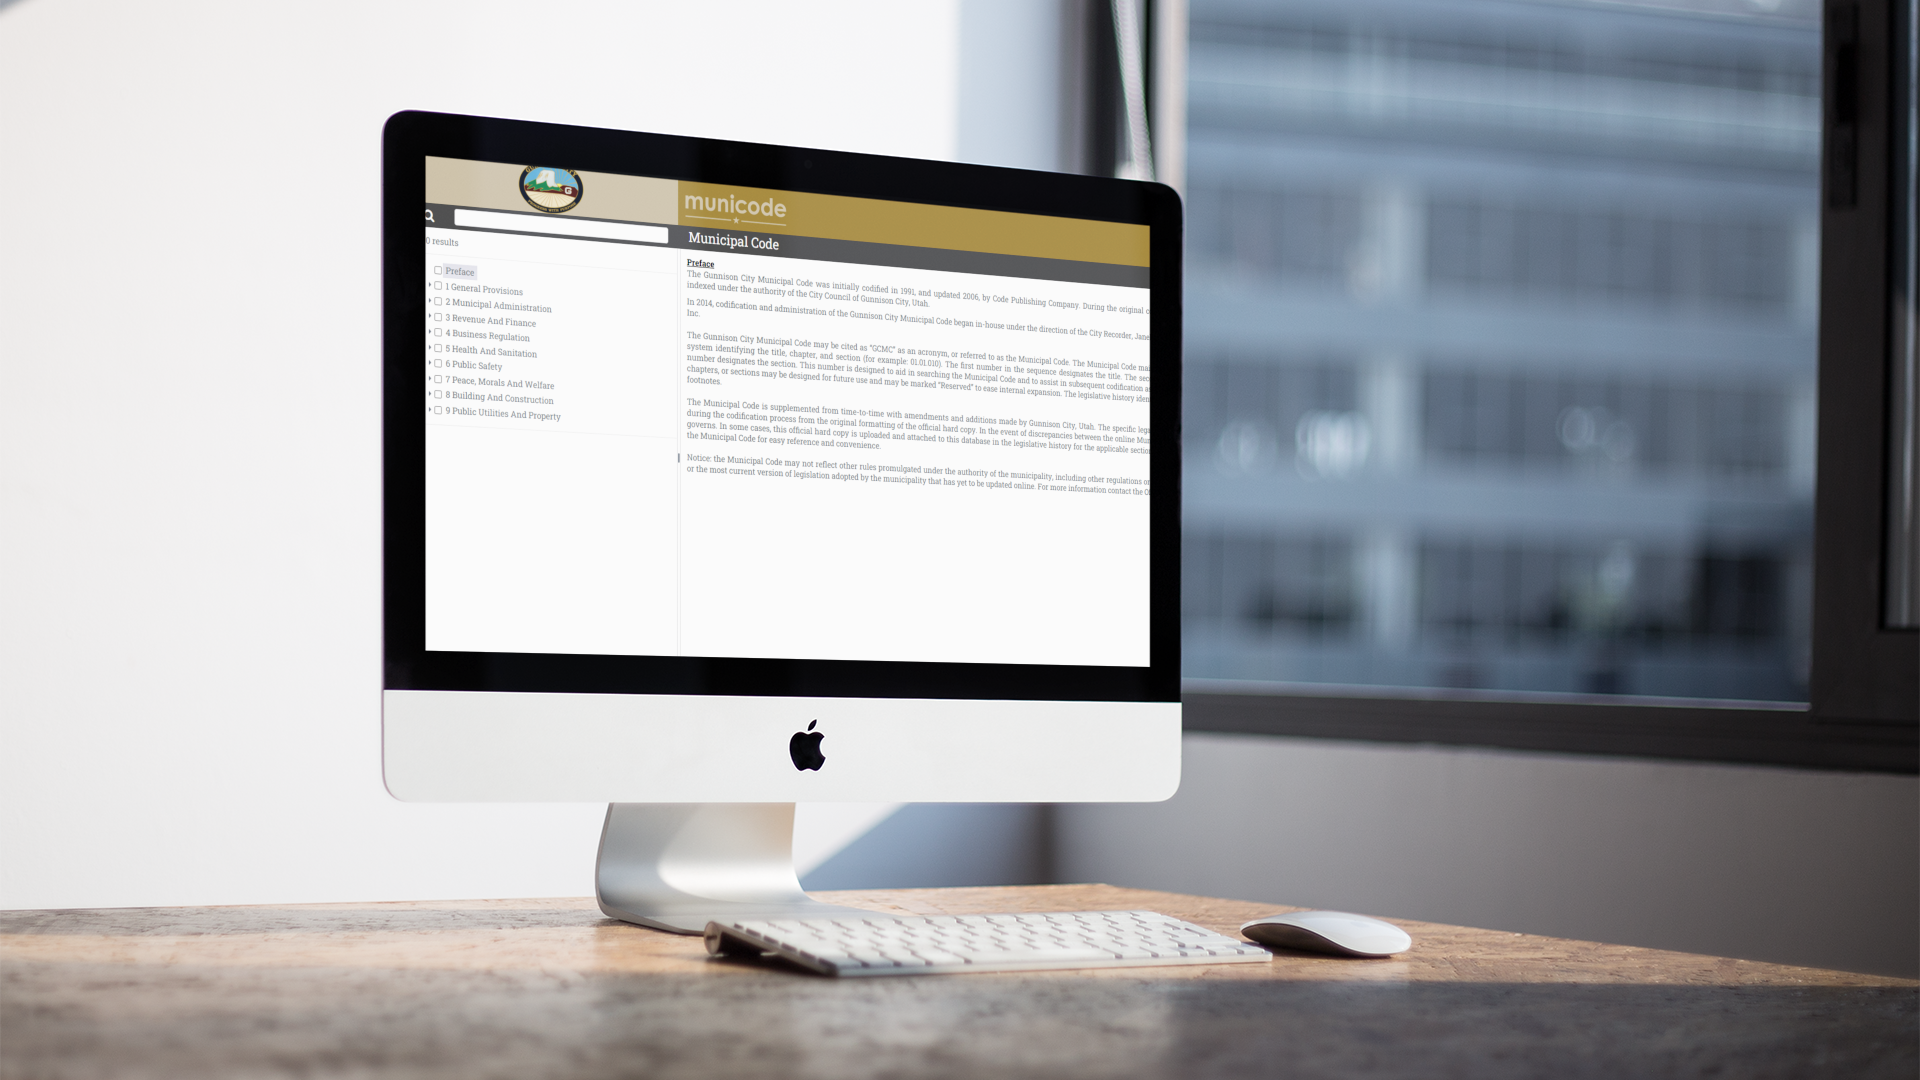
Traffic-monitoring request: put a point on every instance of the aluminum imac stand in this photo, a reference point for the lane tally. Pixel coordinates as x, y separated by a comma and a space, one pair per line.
675, 866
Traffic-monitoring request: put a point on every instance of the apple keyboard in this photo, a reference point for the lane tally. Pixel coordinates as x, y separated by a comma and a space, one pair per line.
949, 944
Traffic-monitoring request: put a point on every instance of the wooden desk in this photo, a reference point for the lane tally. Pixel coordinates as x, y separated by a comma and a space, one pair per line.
548, 988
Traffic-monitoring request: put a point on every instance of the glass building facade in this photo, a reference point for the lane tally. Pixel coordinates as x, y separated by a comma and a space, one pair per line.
1500, 345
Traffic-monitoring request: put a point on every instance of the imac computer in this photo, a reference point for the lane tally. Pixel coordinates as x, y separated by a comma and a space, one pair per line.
721, 477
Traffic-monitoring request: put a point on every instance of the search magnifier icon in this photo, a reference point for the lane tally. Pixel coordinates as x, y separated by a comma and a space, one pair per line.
430, 220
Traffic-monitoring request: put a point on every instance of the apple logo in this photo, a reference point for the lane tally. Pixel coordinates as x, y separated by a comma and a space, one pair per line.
805, 748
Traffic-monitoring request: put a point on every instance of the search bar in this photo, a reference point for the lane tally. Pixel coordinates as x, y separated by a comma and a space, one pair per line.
592, 230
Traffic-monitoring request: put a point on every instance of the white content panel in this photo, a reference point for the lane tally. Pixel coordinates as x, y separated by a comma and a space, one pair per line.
643, 451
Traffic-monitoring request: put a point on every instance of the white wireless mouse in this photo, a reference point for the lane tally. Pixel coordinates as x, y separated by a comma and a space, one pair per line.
1334, 932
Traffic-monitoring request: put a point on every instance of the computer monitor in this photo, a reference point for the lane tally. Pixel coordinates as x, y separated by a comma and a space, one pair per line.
721, 477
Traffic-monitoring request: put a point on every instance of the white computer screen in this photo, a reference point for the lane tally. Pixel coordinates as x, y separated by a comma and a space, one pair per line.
679, 419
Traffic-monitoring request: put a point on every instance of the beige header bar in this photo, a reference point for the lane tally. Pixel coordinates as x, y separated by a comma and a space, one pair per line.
490, 185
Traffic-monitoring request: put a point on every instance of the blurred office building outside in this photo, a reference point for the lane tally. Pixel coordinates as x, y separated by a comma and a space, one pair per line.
1500, 345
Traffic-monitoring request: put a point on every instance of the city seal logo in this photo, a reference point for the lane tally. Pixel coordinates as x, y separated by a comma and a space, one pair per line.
549, 190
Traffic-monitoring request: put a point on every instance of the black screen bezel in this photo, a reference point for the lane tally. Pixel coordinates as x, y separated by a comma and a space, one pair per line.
410, 137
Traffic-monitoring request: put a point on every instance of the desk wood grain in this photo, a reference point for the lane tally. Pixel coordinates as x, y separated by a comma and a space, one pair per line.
549, 988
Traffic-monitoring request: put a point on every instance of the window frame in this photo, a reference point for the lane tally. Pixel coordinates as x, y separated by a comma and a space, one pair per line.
1864, 684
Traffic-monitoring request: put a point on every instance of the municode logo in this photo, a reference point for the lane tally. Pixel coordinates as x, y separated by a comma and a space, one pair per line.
734, 205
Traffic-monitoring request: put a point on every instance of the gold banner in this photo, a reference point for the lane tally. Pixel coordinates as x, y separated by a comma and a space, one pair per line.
878, 221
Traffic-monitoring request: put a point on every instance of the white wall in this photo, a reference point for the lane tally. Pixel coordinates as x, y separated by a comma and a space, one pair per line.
1772, 864
189, 342
1011, 84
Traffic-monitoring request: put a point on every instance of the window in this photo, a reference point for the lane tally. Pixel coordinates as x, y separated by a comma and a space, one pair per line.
1509, 375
